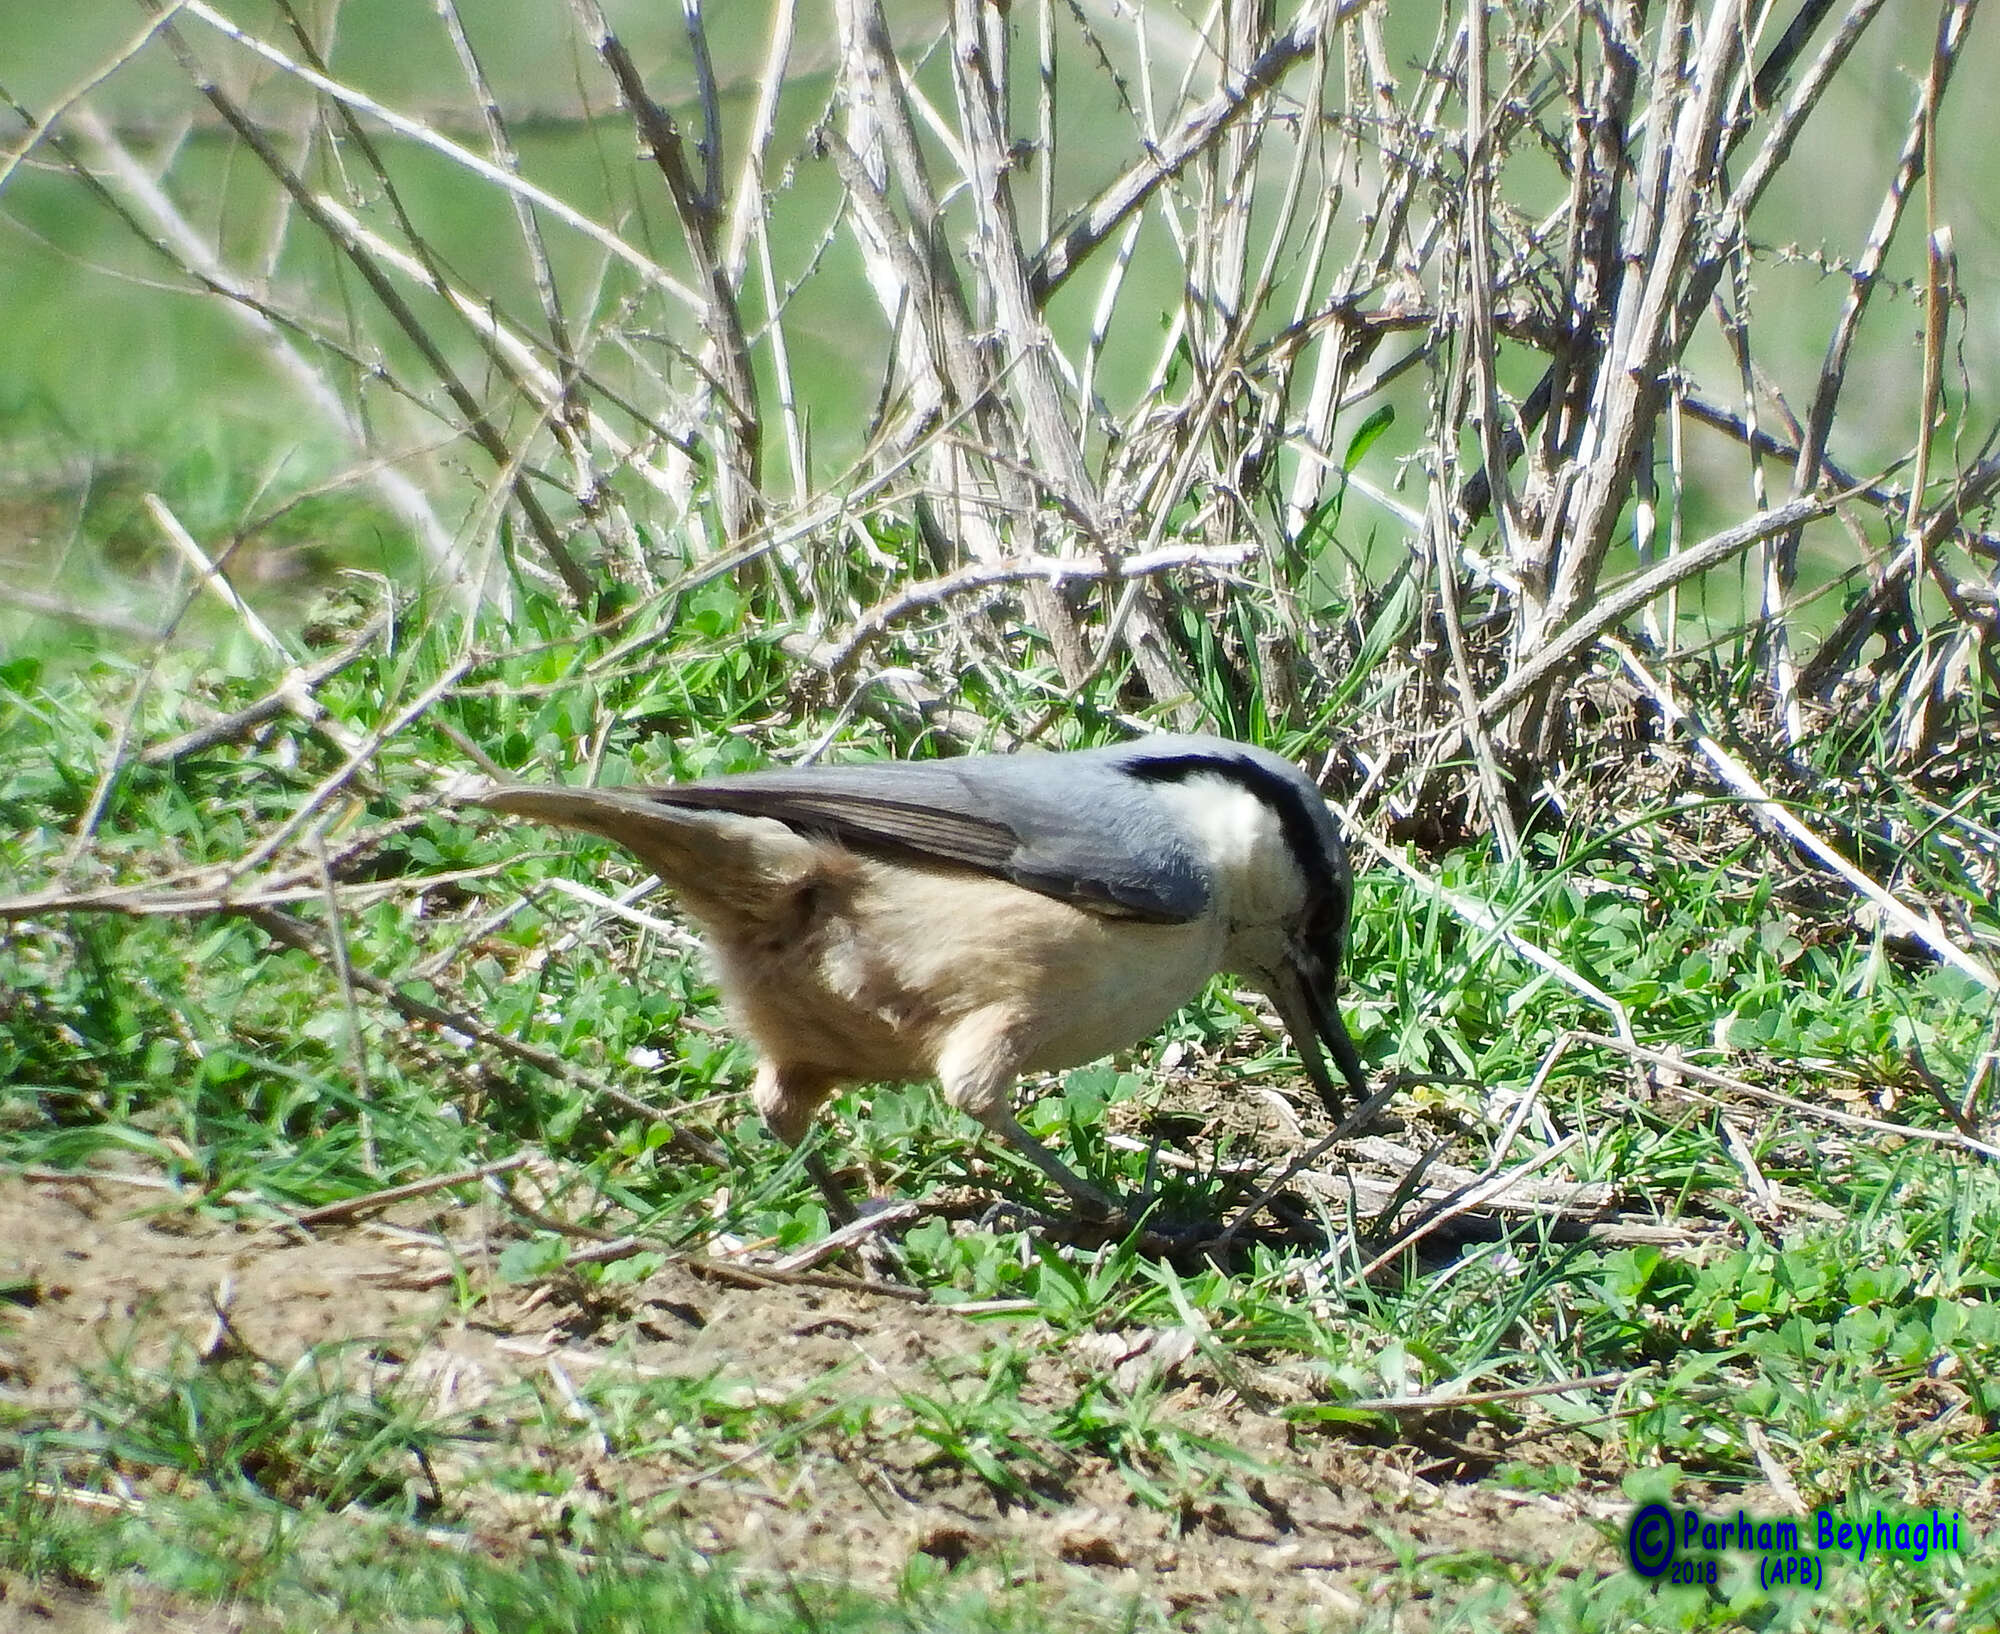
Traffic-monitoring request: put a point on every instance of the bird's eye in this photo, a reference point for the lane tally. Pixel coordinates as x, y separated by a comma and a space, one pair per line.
1323, 925
1325, 932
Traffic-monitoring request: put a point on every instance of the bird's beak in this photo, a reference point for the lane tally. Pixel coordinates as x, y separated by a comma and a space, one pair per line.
1312, 1017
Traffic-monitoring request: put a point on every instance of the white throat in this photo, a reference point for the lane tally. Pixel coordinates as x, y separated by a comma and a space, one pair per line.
1259, 885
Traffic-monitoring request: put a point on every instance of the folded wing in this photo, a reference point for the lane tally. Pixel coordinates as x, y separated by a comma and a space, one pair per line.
1071, 827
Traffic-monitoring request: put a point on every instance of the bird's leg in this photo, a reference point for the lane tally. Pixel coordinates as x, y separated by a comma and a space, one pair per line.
1092, 1203
839, 1206
787, 1097
977, 1067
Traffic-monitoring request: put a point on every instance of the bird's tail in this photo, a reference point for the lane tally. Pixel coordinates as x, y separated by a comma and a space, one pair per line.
719, 857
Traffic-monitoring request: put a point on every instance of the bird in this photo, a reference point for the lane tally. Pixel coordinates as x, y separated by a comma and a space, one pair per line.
974, 918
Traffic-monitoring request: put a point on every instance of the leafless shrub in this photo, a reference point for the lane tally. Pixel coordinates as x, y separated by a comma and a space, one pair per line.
1131, 424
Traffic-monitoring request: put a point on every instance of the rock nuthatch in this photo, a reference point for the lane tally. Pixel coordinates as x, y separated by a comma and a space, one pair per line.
977, 918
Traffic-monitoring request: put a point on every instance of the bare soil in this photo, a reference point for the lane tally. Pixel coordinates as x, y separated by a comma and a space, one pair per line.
101, 1270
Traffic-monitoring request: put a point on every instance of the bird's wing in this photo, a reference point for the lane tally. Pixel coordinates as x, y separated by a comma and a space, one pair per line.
1084, 834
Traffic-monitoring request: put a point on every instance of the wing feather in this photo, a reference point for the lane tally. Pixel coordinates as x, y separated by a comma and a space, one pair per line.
1082, 832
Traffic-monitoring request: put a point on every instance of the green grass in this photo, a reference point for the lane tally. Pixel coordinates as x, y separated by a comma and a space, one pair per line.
312, 1571
1844, 1333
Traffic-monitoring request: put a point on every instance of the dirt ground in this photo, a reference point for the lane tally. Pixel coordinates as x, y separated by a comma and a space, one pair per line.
98, 1267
